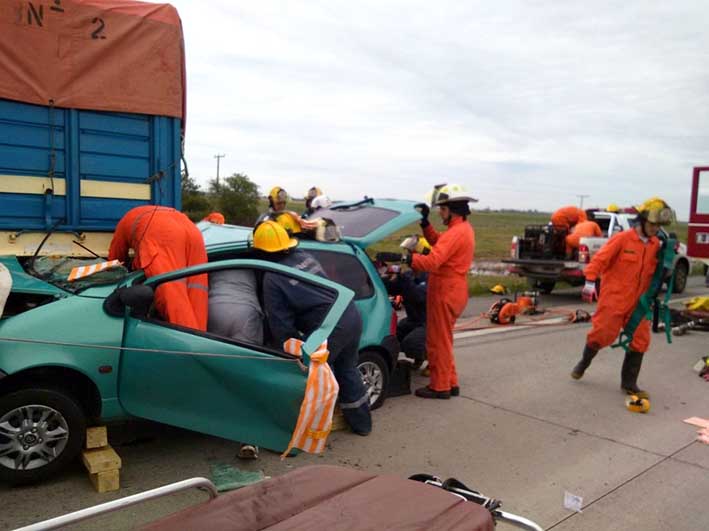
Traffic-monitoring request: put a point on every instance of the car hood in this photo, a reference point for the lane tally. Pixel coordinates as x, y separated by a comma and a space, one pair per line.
22, 282
363, 223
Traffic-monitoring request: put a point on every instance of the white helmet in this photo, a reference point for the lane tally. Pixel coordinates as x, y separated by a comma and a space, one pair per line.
432, 196
451, 193
321, 201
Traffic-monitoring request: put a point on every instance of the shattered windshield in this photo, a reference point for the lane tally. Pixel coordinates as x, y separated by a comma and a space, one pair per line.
56, 270
357, 221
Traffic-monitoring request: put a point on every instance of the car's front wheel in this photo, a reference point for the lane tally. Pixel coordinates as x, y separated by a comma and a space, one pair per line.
375, 375
681, 274
41, 431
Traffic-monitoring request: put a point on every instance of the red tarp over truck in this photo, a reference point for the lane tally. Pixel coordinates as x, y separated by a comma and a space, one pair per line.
109, 55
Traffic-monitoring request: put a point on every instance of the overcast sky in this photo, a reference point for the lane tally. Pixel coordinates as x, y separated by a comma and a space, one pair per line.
527, 103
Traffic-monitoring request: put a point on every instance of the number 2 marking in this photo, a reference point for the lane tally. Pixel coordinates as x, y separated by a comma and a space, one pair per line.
97, 33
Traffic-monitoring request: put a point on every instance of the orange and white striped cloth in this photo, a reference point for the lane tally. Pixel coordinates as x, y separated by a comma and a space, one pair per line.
88, 270
315, 418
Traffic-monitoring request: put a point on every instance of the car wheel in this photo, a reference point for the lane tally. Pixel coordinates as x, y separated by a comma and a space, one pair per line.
375, 375
681, 273
41, 431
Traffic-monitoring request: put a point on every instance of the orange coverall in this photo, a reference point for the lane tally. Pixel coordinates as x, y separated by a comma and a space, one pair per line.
583, 229
448, 264
164, 240
567, 217
625, 265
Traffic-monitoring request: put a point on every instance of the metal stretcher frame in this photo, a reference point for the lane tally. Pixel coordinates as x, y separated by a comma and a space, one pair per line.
121, 503
455, 488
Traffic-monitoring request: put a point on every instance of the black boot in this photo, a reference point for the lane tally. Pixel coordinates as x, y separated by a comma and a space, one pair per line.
629, 374
588, 355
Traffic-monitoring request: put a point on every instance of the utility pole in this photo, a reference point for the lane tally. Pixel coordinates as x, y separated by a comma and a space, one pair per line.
581, 197
218, 157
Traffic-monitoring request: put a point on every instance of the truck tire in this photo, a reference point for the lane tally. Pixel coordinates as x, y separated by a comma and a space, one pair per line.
543, 286
681, 273
42, 430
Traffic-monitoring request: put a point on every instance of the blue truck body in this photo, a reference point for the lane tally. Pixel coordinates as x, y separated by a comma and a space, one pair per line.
79, 171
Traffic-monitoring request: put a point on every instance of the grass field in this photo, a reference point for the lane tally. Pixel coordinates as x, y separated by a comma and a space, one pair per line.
493, 233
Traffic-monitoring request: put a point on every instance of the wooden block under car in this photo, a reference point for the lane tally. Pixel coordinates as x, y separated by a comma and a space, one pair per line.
106, 481
338, 420
96, 437
101, 460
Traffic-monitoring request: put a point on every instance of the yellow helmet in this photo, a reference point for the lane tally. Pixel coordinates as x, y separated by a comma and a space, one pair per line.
287, 221
271, 237
277, 195
499, 289
612, 208
655, 210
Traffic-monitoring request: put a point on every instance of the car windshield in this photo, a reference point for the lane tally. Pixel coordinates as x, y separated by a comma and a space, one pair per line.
56, 270
359, 220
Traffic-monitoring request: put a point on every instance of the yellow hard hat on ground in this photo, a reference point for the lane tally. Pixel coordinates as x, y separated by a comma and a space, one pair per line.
288, 222
271, 237
612, 208
655, 210
499, 289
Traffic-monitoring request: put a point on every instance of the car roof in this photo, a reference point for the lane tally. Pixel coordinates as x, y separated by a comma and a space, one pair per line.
362, 223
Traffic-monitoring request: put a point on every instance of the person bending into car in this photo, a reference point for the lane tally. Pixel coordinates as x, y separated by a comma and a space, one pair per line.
295, 309
625, 265
447, 264
164, 240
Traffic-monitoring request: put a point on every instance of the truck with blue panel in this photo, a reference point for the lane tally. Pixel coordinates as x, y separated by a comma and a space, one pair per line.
73, 173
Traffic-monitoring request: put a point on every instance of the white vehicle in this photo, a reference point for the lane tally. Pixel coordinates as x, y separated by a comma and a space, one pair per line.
540, 254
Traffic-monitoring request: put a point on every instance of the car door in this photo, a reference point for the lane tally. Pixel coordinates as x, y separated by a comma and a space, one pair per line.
216, 385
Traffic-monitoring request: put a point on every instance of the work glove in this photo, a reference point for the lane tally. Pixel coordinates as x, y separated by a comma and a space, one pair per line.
589, 293
424, 210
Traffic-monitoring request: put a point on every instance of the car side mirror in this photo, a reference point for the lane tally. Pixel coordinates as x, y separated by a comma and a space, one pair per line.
138, 298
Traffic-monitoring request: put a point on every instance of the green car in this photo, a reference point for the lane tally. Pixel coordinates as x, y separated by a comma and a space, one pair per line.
74, 354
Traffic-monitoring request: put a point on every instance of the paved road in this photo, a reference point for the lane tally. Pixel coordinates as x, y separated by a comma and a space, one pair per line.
521, 430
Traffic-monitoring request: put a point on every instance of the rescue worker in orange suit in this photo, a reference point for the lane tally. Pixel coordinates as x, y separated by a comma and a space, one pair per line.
164, 240
447, 265
625, 266
583, 229
567, 217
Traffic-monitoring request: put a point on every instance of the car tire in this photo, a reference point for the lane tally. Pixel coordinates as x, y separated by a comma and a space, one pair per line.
50, 421
681, 273
375, 375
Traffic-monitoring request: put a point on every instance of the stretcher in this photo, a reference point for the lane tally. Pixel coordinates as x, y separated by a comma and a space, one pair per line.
321, 497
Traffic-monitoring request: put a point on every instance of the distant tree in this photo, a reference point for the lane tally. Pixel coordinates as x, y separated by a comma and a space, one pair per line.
195, 203
237, 197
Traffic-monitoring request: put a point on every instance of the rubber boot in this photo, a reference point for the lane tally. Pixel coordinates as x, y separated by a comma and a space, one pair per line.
586, 359
629, 374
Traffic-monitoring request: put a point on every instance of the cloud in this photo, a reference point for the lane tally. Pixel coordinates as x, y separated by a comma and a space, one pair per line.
528, 103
